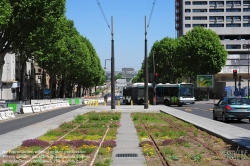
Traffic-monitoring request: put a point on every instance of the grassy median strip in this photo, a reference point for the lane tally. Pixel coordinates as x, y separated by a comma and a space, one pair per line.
183, 144
73, 143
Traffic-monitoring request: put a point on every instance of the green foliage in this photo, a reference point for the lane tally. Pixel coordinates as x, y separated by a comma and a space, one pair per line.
196, 157
118, 76
10, 164
5, 12
79, 119
203, 46
176, 59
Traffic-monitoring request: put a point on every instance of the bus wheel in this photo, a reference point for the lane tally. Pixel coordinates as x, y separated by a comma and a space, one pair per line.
166, 102
179, 105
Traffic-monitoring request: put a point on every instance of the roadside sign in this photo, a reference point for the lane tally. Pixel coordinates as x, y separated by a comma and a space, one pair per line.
205, 81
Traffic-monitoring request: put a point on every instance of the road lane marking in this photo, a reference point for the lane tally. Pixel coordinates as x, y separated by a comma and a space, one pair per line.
188, 110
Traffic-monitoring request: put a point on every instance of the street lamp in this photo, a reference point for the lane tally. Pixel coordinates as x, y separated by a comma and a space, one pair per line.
154, 83
105, 63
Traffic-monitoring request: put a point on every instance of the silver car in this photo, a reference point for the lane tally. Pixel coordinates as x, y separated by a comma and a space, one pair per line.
232, 108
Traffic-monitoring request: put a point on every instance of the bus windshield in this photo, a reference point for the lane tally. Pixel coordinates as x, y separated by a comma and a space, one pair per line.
187, 90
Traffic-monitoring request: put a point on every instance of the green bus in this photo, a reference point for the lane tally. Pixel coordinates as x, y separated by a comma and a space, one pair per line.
135, 93
175, 94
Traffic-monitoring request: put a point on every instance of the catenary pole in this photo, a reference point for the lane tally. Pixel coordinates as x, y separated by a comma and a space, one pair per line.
112, 67
146, 69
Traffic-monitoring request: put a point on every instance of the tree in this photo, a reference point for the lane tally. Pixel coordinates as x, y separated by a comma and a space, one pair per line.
118, 76
21, 22
5, 12
201, 52
167, 60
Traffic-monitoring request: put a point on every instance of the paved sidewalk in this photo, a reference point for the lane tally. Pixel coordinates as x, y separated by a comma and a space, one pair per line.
127, 151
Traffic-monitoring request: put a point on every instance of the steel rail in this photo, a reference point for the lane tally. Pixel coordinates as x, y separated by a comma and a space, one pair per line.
160, 155
204, 144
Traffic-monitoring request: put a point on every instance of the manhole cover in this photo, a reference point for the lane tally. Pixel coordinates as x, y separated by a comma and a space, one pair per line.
126, 155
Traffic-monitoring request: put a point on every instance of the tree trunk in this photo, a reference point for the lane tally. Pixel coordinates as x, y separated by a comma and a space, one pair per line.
23, 67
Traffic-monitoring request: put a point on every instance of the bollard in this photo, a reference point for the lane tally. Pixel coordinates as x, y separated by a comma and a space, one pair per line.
131, 102
96, 103
105, 103
119, 102
148, 102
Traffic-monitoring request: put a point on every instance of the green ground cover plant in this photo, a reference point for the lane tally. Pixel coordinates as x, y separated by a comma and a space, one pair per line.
177, 142
79, 140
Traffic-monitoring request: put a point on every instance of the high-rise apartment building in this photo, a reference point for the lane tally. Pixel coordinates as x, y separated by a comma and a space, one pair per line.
230, 19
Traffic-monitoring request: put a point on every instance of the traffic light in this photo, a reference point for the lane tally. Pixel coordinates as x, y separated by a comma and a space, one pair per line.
156, 78
235, 74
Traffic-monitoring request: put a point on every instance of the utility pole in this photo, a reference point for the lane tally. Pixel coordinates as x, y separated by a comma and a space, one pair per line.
154, 83
247, 46
146, 69
112, 67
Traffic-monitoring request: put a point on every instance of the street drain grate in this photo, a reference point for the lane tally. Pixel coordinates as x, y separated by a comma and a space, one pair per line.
126, 155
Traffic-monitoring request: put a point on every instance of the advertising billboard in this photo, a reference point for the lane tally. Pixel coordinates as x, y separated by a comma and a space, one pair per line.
205, 81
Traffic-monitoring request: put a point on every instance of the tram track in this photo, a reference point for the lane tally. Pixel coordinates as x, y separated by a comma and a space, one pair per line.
203, 144
161, 156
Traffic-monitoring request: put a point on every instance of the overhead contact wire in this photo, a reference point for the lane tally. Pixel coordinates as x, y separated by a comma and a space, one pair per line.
151, 13
100, 7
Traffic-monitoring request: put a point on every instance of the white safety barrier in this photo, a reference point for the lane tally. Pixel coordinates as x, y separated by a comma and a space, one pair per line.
36, 108
42, 107
66, 103
49, 106
9, 113
26, 109
2, 113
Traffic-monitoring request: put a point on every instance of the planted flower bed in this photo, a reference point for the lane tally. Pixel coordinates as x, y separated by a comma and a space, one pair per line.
89, 138
183, 144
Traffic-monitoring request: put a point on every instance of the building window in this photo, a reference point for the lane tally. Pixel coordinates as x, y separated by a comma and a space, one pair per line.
199, 10
187, 18
216, 10
213, 18
231, 46
187, 3
234, 10
187, 10
246, 24
233, 2
231, 18
187, 25
246, 10
200, 3
246, 2
216, 3
216, 25
233, 25
200, 18
246, 17
201, 25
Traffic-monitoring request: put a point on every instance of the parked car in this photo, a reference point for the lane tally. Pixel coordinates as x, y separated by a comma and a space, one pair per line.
232, 108
118, 97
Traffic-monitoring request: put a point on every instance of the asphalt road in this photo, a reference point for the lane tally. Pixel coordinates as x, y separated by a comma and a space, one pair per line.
23, 120
205, 110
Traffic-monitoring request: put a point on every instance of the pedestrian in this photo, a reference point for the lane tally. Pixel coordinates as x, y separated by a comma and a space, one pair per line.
105, 98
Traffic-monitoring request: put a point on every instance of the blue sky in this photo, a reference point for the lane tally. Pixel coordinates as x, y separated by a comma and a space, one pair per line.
129, 27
